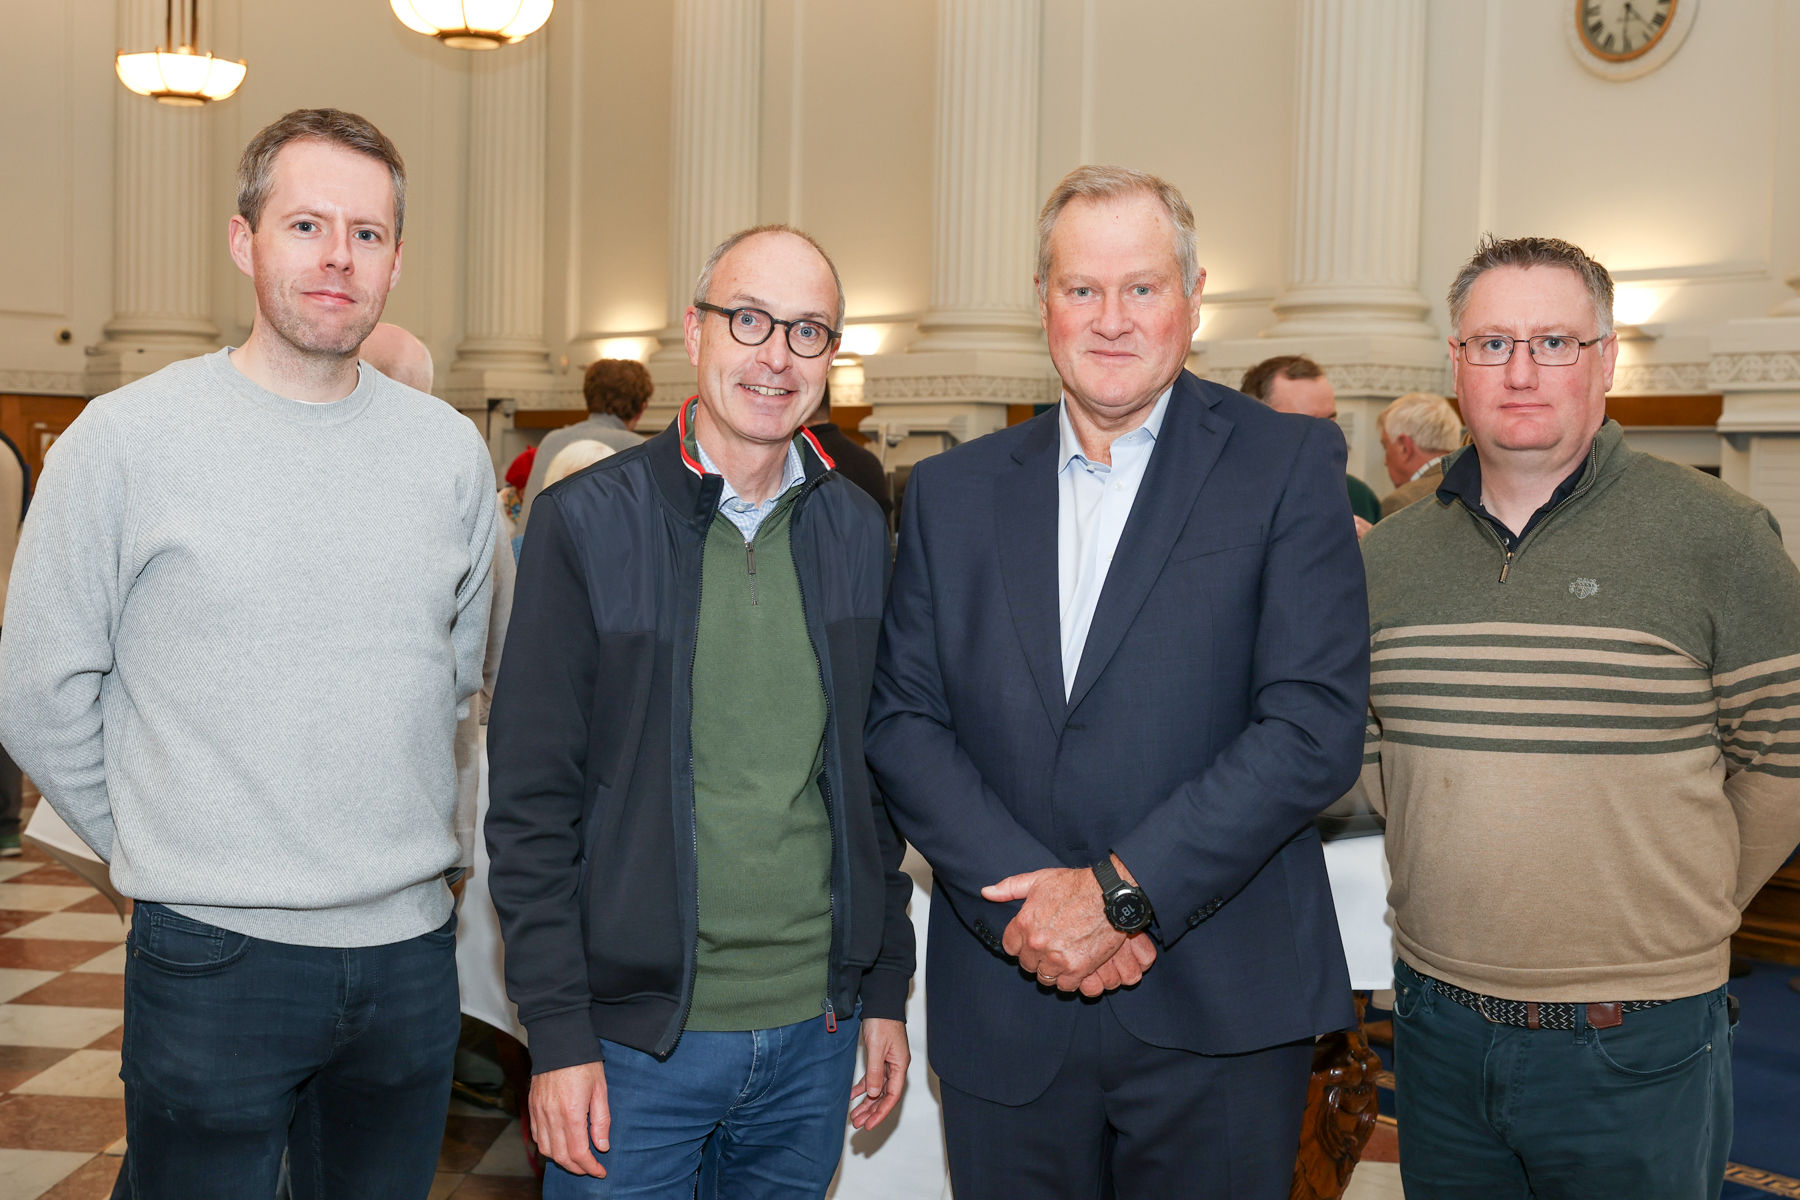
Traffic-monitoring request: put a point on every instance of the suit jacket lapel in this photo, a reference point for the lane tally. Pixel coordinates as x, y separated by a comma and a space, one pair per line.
1193, 435
1025, 513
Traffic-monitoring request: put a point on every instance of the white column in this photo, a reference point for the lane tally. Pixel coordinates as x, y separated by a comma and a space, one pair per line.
161, 232
984, 242
1352, 301
1354, 258
981, 350
716, 142
504, 306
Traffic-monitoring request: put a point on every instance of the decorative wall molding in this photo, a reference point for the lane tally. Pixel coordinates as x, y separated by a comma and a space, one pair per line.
998, 389
1358, 379
47, 383
1643, 379
473, 399
1738, 371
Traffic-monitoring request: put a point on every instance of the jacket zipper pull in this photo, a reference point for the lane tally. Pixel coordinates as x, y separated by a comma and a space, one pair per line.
830, 1017
750, 561
1506, 566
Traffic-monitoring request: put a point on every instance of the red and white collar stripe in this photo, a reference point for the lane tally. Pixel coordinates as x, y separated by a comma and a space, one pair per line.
681, 428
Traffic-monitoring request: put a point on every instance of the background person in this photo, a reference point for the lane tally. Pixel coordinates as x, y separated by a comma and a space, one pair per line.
1294, 383
1418, 431
856, 463
399, 355
699, 887
15, 493
1123, 665
616, 389
1584, 661
575, 457
253, 724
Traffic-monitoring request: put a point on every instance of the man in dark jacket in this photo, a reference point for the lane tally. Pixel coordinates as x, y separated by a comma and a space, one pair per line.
855, 463
1122, 669
699, 887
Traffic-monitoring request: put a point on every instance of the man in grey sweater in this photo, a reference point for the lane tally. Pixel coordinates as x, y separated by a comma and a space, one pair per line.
243, 698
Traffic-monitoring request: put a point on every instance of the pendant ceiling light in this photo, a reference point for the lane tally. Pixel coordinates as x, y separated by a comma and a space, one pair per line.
177, 72
474, 24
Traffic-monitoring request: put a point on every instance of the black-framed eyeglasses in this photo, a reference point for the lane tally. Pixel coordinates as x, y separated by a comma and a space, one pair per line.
752, 327
1546, 349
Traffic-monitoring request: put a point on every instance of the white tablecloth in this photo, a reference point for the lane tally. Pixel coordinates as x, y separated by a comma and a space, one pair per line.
1359, 887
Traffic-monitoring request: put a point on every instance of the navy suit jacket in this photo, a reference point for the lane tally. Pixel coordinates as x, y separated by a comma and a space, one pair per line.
1219, 705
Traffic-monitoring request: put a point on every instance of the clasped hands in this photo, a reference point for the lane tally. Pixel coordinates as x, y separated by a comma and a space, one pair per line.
1062, 935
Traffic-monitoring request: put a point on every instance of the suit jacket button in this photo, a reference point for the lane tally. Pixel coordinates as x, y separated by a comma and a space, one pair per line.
1194, 919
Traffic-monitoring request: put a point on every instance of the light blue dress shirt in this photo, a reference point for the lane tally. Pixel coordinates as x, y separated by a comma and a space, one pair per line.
746, 516
1093, 502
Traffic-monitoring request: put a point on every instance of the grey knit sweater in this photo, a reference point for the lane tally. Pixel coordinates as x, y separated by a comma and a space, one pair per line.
239, 631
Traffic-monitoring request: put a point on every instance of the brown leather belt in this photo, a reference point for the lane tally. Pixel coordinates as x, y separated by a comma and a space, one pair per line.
1528, 1014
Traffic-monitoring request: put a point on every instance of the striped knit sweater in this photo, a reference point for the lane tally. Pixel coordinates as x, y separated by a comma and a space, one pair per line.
1589, 768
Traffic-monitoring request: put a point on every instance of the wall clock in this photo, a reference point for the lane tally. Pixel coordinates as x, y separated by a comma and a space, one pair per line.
1624, 39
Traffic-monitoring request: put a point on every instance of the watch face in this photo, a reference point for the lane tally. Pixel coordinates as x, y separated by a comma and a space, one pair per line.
1128, 911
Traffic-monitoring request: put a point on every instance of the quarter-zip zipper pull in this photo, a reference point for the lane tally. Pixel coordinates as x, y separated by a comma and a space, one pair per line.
750, 561
830, 1016
1506, 566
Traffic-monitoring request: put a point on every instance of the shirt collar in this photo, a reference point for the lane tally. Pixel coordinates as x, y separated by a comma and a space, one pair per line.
1462, 481
793, 472
1070, 445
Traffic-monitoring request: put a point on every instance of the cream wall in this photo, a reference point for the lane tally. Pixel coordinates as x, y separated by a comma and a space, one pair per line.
1685, 181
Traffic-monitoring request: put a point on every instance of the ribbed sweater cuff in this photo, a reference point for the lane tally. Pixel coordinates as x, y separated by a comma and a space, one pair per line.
564, 1039
884, 994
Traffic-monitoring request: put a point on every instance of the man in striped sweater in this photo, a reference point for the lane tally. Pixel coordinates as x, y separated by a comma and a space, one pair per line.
1583, 715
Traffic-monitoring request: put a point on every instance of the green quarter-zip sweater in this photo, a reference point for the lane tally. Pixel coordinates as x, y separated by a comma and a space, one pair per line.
762, 832
1590, 765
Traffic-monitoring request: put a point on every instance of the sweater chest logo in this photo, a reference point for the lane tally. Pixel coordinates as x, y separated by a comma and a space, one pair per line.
1581, 589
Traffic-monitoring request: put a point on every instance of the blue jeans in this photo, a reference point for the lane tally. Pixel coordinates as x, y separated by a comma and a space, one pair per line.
750, 1116
1496, 1112
236, 1048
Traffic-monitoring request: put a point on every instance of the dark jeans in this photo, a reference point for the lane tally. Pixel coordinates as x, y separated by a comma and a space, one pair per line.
1495, 1112
1140, 1122
237, 1047
758, 1115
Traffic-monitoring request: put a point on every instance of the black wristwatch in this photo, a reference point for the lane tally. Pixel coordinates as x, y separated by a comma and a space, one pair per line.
1126, 905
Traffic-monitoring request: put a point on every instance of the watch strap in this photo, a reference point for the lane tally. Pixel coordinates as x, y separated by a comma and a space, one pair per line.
1108, 875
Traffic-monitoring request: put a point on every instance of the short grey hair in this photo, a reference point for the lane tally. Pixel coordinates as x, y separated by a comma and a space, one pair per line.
1099, 184
1534, 252
1424, 417
703, 285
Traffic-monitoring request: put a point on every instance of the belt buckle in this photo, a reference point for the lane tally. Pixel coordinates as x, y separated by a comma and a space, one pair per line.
1481, 1007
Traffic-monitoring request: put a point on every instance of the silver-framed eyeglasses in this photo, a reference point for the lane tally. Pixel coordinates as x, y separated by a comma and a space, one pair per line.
1546, 349
752, 327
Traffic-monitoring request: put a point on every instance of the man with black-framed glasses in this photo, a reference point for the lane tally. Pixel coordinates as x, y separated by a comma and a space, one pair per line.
1583, 661
700, 889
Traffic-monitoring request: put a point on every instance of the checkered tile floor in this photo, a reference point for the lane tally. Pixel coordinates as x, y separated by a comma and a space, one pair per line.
62, 1107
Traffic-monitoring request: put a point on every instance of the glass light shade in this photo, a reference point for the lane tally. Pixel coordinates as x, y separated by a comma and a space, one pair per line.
182, 77
474, 24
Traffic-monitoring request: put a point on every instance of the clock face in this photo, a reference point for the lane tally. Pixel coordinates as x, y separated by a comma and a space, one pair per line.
1622, 30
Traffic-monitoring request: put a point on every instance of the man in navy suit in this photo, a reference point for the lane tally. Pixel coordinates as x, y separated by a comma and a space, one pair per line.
1124, 663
